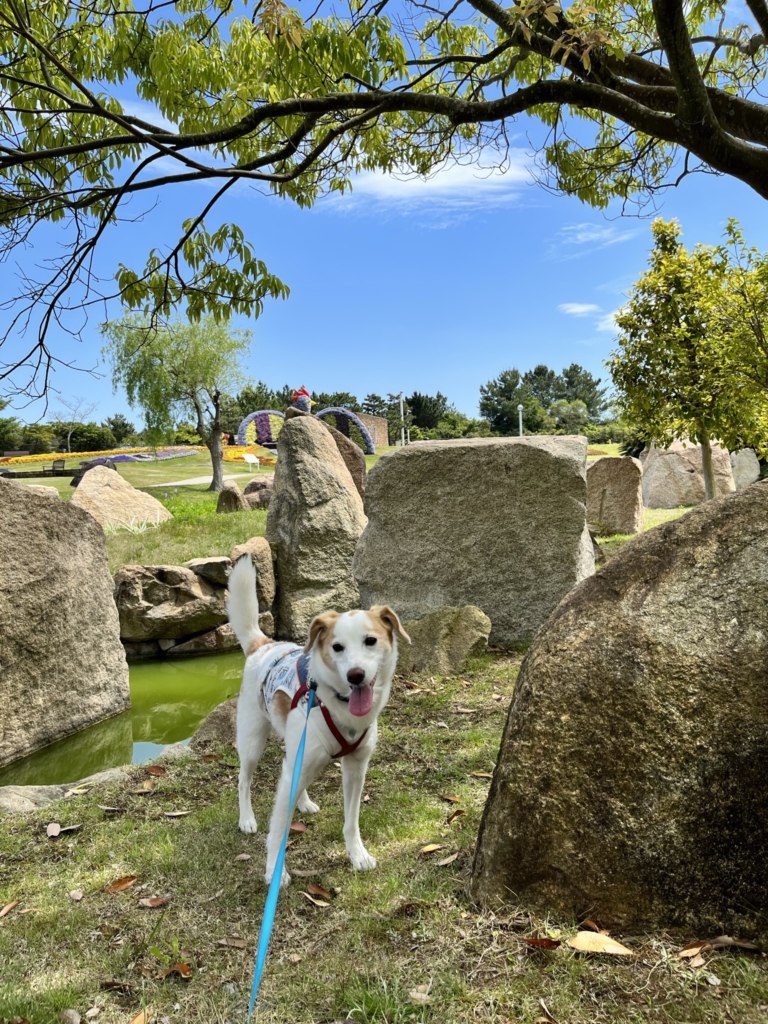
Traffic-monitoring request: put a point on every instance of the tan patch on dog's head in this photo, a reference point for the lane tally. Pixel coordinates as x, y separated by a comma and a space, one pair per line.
321, 631
258, 643
385, 622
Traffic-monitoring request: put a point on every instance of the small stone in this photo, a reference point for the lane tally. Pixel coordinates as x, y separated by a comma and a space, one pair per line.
70, 1017
231, 499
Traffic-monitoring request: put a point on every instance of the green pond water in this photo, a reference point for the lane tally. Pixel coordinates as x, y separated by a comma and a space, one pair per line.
170, 699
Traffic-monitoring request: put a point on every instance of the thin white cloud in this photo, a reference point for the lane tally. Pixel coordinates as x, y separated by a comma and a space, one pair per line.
607, 322
579, 308
595, 235
455, 189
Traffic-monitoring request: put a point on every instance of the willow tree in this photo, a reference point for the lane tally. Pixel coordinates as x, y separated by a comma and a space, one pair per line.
629, 99
177, 371
678, 370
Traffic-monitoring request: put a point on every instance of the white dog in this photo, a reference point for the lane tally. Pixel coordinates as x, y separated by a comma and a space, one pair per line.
352, 658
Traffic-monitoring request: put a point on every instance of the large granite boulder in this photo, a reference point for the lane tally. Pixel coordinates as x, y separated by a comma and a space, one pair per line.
499, 523
745, 467
86, 467
166, 602
673, 477
261, 555
314, 521
113, 502
631, 778
62, 666
615, 495
442, 641
354, 457
231, 499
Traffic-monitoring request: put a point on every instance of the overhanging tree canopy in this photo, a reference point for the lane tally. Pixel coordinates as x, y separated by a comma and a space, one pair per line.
631, 97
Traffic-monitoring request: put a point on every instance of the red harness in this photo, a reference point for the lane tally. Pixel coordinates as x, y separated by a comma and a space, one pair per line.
346, 746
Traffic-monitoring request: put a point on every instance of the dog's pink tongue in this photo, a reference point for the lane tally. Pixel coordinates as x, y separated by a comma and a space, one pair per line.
361, 700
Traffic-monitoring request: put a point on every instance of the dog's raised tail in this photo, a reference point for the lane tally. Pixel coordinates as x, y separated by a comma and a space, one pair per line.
243, 604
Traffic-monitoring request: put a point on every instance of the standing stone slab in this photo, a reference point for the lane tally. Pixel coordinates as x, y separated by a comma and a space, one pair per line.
499, 523
113, 502
231, 499
673, 477
615, 495
443, 640
62, 666
746, 468
314, 521
631, 777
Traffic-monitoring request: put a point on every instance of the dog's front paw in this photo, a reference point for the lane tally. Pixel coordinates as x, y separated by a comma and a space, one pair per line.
248, 825
308, 806
285, 879
362, 860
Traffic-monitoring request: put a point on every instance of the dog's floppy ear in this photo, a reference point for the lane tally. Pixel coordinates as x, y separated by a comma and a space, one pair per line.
319, 625
390, 621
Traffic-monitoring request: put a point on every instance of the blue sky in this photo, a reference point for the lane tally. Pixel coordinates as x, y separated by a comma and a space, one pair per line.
424, 286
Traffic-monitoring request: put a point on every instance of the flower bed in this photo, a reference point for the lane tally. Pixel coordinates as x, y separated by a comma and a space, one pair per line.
235, 453
159, 453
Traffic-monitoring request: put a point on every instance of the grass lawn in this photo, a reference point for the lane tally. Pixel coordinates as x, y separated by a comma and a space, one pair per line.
385, 934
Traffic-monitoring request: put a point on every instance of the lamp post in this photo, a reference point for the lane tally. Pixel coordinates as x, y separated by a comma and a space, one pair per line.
402, 423
520, 418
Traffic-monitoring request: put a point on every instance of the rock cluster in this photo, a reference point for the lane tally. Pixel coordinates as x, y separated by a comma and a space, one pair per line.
499, 523
180, 610
630, 781
314, 521
113, 502
62, 667
258, 493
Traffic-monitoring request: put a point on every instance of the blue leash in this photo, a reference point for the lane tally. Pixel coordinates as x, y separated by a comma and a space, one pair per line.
270, 907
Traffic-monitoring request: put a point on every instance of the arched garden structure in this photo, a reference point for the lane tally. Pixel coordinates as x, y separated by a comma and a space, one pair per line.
262, 427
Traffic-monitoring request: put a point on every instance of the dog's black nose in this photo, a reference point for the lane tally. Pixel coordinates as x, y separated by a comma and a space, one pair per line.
356, 676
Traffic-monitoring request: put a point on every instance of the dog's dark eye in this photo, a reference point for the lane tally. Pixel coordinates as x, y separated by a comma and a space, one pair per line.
338, 648
370, 641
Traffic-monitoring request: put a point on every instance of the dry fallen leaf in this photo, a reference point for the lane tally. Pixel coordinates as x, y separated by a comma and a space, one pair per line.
9, 907
117, 986
420, 995
592, 942
317, 903
542, 943
210, 757
153, 902
431, 848
483, 775
156, 770
176, 814
693, 949
697, 961
141, 1018
93, 1012
297, 826
75, 895
121, 884
233, 942
548, 1018
450, 798
465, 711
182, 969
725, 941
295, 958
455, 815
318, 890
53, 829
589, 923
242, 856
448, 860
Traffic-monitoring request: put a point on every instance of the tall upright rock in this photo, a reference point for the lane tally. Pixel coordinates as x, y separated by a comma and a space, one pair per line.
499, 523
314, 521
62, 666
631, 779
615, 495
